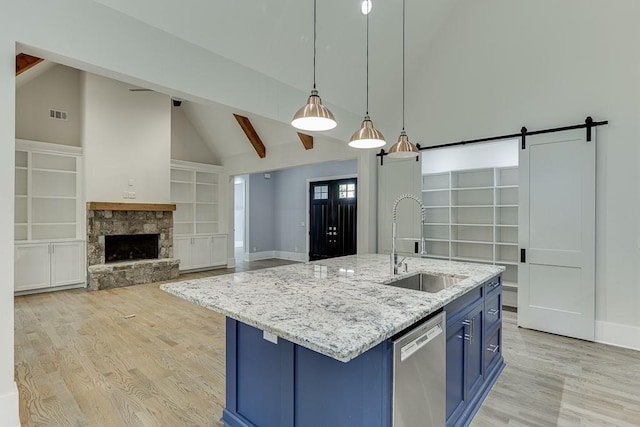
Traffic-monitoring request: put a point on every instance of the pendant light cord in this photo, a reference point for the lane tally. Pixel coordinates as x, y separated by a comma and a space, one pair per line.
314, 44
367, 109
403, 47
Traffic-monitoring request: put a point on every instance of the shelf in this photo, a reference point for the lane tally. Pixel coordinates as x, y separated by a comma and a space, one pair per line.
52, 170
472, 225
470, 188
436, 207
506, 244
54, 197
479, 242
435, 240
436, 223
469, 259
53, 223
436, 256
506, 206
210, 184
500, 187
435, 190
22, 168
507, 225
177, 181
472, 206
20, 196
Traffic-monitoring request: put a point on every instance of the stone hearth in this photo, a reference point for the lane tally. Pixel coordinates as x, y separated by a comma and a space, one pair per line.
105, 219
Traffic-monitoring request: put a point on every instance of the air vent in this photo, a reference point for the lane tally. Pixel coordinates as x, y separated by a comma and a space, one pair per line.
57, 114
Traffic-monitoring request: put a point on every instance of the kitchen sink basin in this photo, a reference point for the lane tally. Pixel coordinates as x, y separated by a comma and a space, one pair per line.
427, 282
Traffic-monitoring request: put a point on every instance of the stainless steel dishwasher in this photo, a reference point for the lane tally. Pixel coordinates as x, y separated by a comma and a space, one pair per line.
419, 376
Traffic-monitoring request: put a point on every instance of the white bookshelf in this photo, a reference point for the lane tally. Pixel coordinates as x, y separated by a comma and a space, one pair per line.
472, 215
196, 189
49, 226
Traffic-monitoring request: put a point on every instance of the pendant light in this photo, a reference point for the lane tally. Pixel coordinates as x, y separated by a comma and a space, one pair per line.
403, 149
367, 136
314, 116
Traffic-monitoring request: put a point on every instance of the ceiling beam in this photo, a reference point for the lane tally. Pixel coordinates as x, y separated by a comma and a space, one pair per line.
307, 140
252, 135
24, 62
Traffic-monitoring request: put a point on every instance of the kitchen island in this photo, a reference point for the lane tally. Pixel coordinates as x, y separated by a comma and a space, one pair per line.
310, 344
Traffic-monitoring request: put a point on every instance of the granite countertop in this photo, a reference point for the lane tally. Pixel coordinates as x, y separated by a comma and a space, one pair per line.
338, 307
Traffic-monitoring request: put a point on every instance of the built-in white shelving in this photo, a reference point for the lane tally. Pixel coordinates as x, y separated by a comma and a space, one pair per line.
472, 215
49, 226
196, 191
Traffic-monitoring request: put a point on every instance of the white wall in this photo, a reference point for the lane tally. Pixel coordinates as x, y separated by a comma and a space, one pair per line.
474, 156
126, 136
499, 65
186, 143
57, 88
8, 389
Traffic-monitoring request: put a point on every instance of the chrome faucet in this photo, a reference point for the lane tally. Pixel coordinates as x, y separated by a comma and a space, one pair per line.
395, 265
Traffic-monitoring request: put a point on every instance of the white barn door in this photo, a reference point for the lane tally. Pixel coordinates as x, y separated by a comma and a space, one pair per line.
556, 274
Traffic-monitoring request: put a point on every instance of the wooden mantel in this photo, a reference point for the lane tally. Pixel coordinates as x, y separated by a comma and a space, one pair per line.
115, 206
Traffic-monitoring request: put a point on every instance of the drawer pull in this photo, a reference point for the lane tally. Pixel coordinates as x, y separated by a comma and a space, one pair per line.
493, 311
493, 348
494, 285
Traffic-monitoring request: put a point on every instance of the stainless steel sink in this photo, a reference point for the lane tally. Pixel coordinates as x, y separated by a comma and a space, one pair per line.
427, 282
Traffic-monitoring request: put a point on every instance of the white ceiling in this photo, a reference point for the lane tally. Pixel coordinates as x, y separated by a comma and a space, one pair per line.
275, 38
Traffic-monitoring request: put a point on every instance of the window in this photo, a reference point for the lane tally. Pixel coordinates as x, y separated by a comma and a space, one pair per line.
321, 192
346, 191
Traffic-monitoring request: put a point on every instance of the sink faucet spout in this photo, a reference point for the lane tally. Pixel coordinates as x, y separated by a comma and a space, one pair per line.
395, 265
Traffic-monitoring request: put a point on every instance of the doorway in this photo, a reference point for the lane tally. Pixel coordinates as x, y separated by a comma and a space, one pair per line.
239, 217
332, 218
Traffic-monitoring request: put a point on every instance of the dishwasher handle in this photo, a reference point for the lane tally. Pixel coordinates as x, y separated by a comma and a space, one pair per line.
409, 349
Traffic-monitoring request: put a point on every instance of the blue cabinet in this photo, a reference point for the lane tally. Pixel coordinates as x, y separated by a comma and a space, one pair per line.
474, 358
284, 385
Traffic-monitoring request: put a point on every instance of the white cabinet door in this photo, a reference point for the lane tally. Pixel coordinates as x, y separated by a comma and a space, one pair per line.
556, 279
32, 266
182, 251
201, 253
219, 250
67, 263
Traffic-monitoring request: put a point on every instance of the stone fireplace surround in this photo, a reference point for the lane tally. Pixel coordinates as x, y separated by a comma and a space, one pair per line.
106, 218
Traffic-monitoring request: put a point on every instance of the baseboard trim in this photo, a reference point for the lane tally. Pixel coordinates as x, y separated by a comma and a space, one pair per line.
9, 408
231, 262
291, 256
257, 256
509, 296
618, 335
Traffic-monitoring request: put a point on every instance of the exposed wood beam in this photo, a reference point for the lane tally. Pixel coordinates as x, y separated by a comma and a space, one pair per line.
252, 135
307, 140
24, 62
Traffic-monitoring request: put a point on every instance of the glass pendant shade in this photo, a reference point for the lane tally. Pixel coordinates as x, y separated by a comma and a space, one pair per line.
367, 136
403, 149
314, 116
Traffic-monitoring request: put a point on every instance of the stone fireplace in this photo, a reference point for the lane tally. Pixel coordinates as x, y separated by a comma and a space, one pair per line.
129, 244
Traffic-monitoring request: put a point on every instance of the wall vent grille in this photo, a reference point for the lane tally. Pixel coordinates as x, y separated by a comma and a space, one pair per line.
57, 114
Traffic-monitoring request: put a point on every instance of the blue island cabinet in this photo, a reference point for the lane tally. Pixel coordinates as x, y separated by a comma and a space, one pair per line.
474, 354
286, 385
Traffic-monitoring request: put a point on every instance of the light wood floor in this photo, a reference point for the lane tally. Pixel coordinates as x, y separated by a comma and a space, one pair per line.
81, 362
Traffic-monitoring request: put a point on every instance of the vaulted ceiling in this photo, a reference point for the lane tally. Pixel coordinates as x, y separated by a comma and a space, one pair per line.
275, 38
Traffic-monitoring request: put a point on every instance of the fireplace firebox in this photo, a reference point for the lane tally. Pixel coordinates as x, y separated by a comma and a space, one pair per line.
130, 247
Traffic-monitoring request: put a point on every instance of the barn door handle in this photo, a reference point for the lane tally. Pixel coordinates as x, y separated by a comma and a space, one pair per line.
523, 255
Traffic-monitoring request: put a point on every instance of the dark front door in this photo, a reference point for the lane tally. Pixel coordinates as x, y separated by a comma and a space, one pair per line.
332, 218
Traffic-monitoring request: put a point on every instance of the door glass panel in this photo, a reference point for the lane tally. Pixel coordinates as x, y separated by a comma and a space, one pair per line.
346, 191
321, 192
